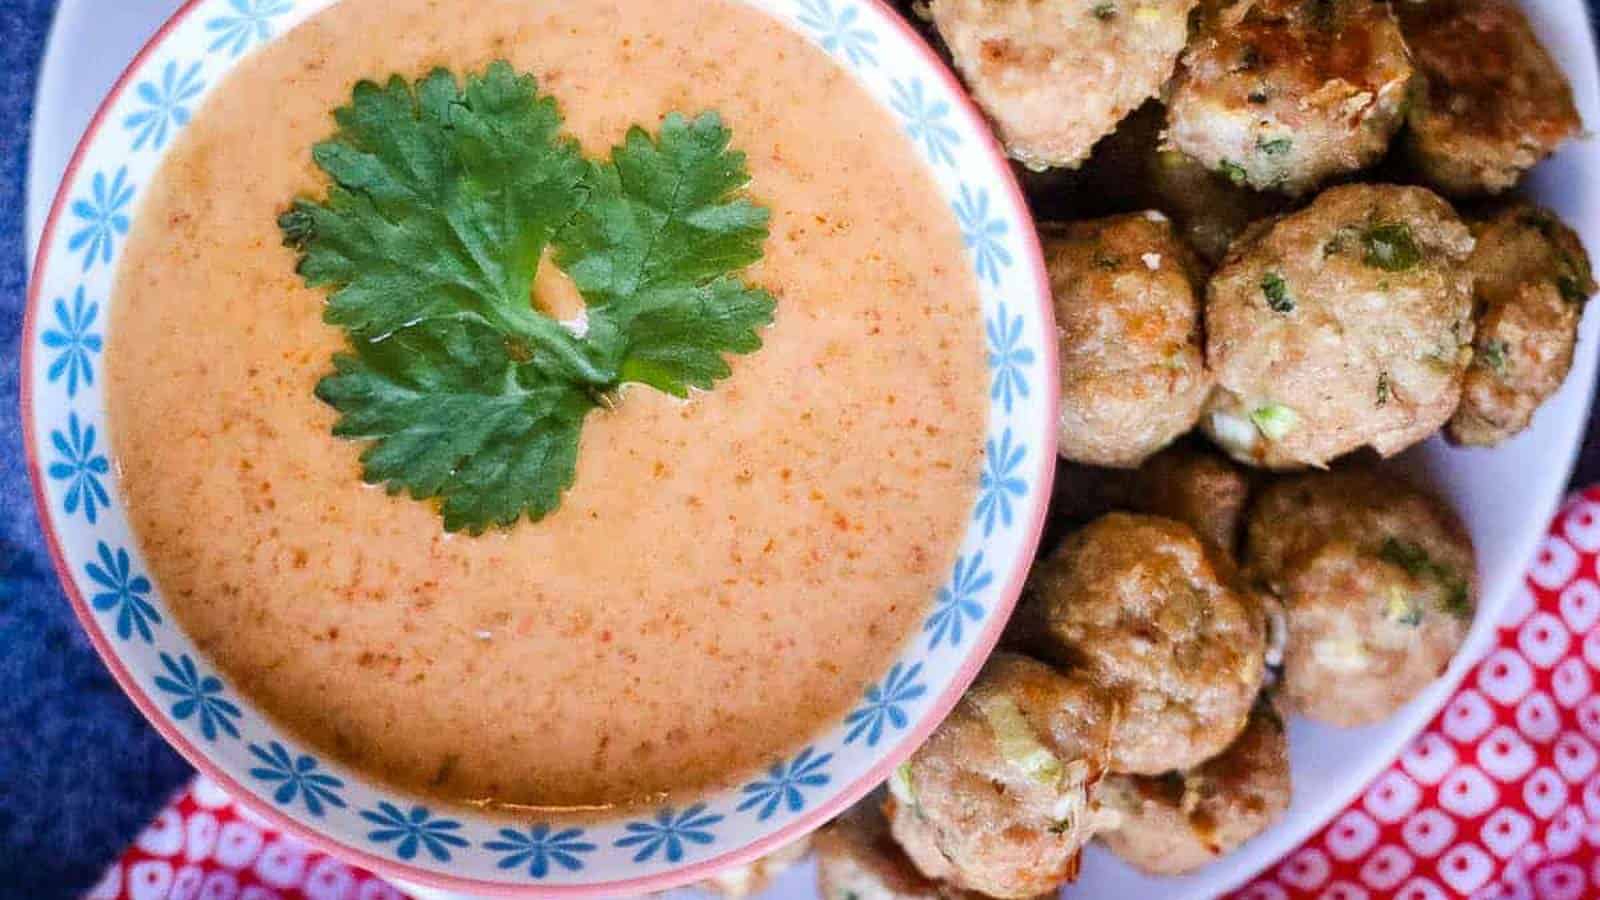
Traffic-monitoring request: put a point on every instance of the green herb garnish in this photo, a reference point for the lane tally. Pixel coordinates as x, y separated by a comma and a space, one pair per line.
1383, 388
1391, 247
1235, 172
1418, 564
1275, 146
1274, 420
1493, 355
1104, 11
1276, 291
1403, 608
444, 198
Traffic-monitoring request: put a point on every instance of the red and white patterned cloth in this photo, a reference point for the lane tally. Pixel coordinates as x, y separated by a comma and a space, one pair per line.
1499, 799
206, 847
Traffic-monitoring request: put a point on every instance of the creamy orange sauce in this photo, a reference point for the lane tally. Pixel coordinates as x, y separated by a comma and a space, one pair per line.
726, 575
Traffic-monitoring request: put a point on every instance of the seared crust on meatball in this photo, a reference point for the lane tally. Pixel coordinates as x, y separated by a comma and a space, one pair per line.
1532, 279
857, 859
1175, 823
1495, 103
1057, 75
1379, 584
1157, 617
1343, 325
1197, 487
756, 876
997, 800
1133, 371
1284, 94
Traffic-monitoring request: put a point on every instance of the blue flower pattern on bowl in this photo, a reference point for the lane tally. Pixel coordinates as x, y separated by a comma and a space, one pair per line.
784, 784
124, 592
983, 234
885, 704
838, 30
925, 120
248, 22
1000, 484
81, 468
166, 106
156, 104
957, 602
197, 693
416, 829
668, 832
75, 342
1008, 356
296, 776
539, 847
104, 217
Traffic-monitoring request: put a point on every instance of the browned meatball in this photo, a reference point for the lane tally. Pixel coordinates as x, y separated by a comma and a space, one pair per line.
1284, 94
1495, 103
1343, 325
1378, 582
1133, 372
857, 859
1057, 75
1197, 487
756, 876
1532, 279
1158, 619
1130, 169
997, 800
1175, 823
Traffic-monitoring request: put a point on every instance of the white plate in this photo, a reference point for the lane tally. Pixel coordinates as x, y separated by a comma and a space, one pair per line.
1506, 495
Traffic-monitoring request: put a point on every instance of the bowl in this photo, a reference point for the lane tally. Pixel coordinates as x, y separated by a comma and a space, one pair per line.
341, 811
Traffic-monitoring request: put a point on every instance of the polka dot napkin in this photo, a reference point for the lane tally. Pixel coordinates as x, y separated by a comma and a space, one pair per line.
1499, 799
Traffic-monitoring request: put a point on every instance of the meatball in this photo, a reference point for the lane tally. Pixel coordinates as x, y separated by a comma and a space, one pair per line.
1196, 487
1378, 582
756, 876
1158, 619
997, 800
1285, 94
857, 859
1057, 75
1133, 373
1345, 324
1495, 103
1130, 169
1175, 823
1208, 207
1532, 279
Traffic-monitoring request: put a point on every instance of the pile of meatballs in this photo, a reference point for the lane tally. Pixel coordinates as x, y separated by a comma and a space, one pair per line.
1293, 249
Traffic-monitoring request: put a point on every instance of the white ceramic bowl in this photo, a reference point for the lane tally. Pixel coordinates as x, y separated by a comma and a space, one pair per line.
336, 808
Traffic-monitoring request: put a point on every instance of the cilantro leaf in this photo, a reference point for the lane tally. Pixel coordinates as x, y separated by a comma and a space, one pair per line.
652, 249
444, 198
452, 415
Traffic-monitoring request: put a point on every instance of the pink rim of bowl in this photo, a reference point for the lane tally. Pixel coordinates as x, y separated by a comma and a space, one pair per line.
976, 655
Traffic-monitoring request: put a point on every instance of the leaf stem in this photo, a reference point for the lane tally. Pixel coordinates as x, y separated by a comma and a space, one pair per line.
551, 337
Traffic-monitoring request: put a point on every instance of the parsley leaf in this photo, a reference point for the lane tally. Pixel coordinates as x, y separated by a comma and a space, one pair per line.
651, 251
444, 199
